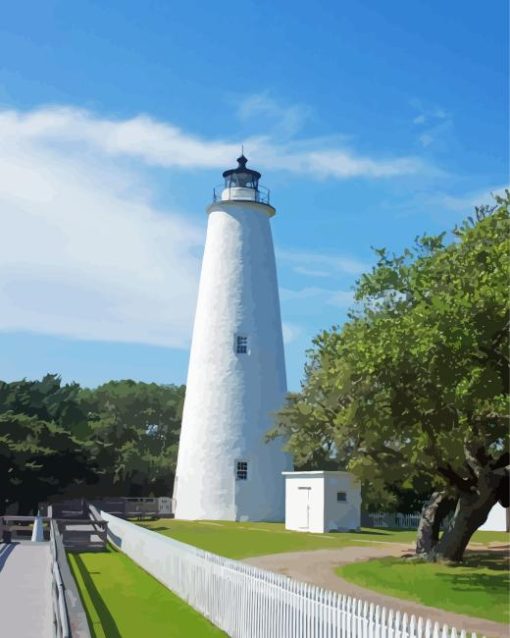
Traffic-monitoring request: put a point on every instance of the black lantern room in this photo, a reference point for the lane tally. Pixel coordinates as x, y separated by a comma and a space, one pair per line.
242, 177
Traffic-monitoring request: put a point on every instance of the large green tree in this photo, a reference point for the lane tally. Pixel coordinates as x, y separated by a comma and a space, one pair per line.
134, 429
413, 387
39, 455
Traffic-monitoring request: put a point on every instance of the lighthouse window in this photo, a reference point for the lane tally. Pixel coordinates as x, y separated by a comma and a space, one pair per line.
242, 345
341, 497
242, 470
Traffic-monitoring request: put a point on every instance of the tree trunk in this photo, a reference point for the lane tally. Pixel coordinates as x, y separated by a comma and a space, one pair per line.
432, 515
471, 512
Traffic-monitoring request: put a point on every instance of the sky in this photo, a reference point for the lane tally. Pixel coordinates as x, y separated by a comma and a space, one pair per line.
371, 122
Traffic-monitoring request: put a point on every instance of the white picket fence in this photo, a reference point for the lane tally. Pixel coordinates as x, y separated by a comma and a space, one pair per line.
247, 602
395, 520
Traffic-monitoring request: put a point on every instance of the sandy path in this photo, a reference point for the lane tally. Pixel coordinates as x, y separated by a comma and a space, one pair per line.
317, 567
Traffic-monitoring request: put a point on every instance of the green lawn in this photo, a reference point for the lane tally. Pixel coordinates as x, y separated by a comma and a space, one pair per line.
241, 540
124, 601
479, 587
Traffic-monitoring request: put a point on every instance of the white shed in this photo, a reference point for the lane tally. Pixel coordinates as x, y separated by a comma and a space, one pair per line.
322, 501
498, 520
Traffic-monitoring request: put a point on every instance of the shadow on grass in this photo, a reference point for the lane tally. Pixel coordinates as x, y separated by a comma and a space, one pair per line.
498, 560
108, 623
489, 583
371, 532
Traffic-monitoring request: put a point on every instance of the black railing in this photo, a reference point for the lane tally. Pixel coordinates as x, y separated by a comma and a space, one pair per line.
260, 195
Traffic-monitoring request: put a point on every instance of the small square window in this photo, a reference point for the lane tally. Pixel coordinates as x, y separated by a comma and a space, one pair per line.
242, 345
242, 470
341, 497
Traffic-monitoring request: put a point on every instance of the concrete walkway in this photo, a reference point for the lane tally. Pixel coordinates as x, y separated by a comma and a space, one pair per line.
25, 590
317, 567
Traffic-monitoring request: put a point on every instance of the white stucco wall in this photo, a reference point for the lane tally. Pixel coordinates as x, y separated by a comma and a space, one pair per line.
311, 501
497, 520
341, 515
230, 397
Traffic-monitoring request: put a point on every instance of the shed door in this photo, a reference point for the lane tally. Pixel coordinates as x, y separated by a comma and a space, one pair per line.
303, 506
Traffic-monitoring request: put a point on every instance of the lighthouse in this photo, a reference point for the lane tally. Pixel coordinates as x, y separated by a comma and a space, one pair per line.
236, 377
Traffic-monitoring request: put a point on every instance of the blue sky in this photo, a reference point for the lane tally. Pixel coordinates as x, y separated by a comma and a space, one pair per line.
371, 123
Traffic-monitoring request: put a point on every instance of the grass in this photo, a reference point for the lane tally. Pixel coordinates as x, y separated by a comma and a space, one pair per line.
479, 587
243, 540
123, 601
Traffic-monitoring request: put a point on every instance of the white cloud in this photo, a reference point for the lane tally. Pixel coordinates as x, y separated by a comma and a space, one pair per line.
83, 252
287, 120
338, 298
290, 332
466, 204
311, 273
327, 265
438, 122
162, 144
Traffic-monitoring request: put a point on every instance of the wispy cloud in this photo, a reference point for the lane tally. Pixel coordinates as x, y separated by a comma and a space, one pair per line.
159, 143
83, 251
320, 264
466, 203
291, 332
338, 298
285, 120
310, 272
433, 121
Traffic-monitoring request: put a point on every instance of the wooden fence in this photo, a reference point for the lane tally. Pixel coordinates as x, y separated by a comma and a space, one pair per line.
78, 534
19, 528
247, 602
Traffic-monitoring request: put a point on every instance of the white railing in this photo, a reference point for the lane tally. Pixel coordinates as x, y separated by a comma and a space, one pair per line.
400, 521
247, 602
395, 520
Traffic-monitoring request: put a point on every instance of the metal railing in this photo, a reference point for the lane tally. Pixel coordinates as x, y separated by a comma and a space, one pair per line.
69, 618
60, 617
261, 195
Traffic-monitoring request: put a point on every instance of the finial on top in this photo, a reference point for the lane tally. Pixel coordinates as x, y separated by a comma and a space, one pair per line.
242, 161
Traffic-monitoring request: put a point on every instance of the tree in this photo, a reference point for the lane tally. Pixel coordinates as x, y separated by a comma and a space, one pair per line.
414, 386
134, 429
39, 457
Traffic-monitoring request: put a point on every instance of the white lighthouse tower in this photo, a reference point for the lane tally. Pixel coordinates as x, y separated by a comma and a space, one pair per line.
236, 377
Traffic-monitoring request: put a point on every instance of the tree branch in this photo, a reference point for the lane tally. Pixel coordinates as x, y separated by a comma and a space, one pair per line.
464, 485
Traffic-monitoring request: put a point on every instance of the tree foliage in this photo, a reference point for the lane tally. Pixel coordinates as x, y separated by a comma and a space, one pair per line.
39, 455
118, 439
414, 387
135, 429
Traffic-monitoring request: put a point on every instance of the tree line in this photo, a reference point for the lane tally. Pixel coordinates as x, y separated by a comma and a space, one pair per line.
119, 439
412, 391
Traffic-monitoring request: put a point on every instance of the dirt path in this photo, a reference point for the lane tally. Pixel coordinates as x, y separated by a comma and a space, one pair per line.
317, 567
